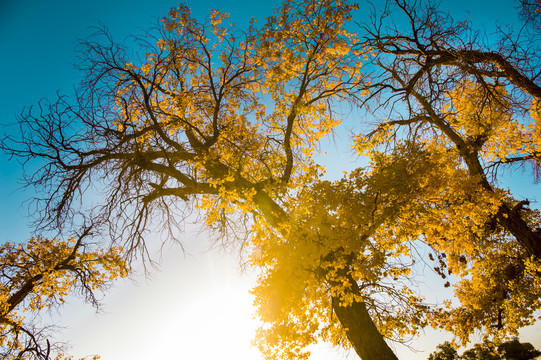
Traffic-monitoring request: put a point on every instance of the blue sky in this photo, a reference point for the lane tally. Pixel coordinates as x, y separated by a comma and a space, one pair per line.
37, 58
37, 43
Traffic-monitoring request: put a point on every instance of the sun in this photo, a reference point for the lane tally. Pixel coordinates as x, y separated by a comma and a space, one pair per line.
208, 314
195, 308
218, 325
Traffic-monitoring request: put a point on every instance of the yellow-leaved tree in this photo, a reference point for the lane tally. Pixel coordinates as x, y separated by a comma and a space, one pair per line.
438, 87
211, 118
227, 122
39, 275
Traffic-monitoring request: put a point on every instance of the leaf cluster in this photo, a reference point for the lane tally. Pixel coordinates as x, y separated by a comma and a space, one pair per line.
40, 275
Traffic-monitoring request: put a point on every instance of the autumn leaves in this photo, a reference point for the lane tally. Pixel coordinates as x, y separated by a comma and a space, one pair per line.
226, 122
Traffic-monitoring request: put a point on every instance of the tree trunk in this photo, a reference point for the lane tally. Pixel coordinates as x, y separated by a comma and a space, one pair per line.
512, 221
361, 331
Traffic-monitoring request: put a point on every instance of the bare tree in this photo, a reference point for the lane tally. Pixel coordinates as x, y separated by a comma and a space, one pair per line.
530, 11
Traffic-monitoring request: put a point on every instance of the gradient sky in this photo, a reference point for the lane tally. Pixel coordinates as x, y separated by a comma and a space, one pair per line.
157, 318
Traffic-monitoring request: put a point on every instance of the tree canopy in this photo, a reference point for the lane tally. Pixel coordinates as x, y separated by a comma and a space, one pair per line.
227, 123
508, 350
40, 274
479, 106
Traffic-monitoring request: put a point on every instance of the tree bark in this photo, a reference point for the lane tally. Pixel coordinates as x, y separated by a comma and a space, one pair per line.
529, 238
510, 219
360, 329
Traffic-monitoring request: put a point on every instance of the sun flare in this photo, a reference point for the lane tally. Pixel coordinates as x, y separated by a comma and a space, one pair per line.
217, 325
195, 308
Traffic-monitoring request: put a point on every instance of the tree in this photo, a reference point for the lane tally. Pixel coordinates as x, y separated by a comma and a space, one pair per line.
444, 351
515, 350
39, 275
344, 240
227, 122
509, 350
484, 351
530, 11
441, 88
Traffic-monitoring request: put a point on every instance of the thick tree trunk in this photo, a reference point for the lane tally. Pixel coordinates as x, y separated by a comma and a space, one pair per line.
510, 219
361, 331
529, 238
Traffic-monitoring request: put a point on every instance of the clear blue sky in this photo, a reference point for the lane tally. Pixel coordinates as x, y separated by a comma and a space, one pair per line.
37, 42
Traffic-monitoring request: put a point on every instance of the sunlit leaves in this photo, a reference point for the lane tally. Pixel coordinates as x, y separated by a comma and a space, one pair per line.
204, 91
41, 274
471, 122
352, 228
456, 215
227, 121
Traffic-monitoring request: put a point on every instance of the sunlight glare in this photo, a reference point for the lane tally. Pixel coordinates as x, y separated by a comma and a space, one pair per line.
216, 326
211, 318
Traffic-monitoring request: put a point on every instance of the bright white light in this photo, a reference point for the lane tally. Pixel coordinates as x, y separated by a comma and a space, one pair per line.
216, 325
195, 309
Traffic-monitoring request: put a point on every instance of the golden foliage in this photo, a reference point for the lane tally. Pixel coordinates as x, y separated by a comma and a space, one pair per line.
41, 274
459, 213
